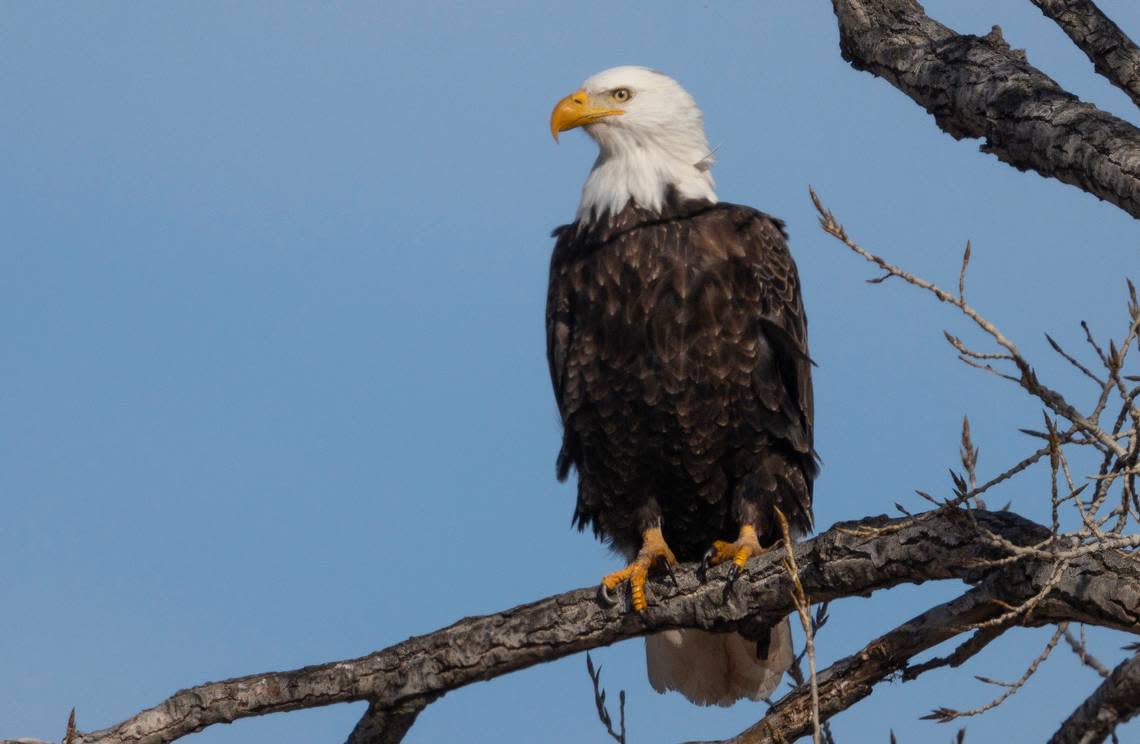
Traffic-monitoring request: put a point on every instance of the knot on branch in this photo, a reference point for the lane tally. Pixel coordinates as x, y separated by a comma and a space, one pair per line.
995, 40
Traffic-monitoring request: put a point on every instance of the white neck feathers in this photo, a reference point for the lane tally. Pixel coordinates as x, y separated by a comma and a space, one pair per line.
643, 175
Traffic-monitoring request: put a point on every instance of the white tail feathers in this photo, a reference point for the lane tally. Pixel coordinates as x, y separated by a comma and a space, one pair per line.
716, 668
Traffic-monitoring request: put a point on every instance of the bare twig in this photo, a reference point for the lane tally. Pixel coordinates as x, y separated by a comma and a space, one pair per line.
945, 715
803, 609
965, 651
1080, 648
600, 703
962, 273
1028, 378
969, 455
1118, 446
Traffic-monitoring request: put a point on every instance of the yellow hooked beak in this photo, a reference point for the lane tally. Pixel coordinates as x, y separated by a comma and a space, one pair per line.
575, 110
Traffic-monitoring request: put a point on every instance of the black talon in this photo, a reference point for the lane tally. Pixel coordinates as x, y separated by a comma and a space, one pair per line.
672, 576
734, 573
706, 564
604, 596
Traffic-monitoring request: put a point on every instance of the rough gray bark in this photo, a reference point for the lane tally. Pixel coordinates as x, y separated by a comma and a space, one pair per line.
850, 559
1116, 700
1113, 54
979, 87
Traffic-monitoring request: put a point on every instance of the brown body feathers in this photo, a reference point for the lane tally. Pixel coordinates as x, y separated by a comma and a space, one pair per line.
677, 344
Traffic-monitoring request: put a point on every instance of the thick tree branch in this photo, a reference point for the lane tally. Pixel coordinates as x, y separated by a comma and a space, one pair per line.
979, 87
849, 559
1114, 702
1113, 54
851, 679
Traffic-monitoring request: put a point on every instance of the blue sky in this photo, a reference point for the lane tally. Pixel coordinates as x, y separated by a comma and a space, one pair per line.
272, 279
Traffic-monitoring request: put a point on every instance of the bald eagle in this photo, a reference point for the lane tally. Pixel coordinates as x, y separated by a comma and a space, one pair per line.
677, 344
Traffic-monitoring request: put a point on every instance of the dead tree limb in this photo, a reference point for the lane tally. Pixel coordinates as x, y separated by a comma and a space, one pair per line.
1114, 55
849, 559
1115, 701
976, 86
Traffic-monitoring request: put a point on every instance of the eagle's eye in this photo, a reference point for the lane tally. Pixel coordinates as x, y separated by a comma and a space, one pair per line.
621, 95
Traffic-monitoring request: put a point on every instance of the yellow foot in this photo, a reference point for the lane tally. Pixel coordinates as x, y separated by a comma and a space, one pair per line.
653, 551
738, 552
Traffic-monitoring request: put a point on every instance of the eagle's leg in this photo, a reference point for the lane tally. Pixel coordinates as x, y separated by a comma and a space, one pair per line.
746, 546
653, 551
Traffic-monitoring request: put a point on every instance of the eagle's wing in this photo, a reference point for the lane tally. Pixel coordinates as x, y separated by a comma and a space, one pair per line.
559, 333
783, 318
782, 324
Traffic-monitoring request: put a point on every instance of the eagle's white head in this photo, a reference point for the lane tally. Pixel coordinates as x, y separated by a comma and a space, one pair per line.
650, 137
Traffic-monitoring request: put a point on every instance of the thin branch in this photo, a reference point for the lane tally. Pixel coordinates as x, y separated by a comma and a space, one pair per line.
1028, 378
962, 273
1071, 360
969, 455
1120, 449
945, 715
803, 609
600, 703
1080, 648
964, 652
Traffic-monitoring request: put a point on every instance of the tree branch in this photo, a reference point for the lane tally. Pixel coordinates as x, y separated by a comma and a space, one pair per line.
1113, 54
388, 725
979, 87
1114, 702
849, 559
